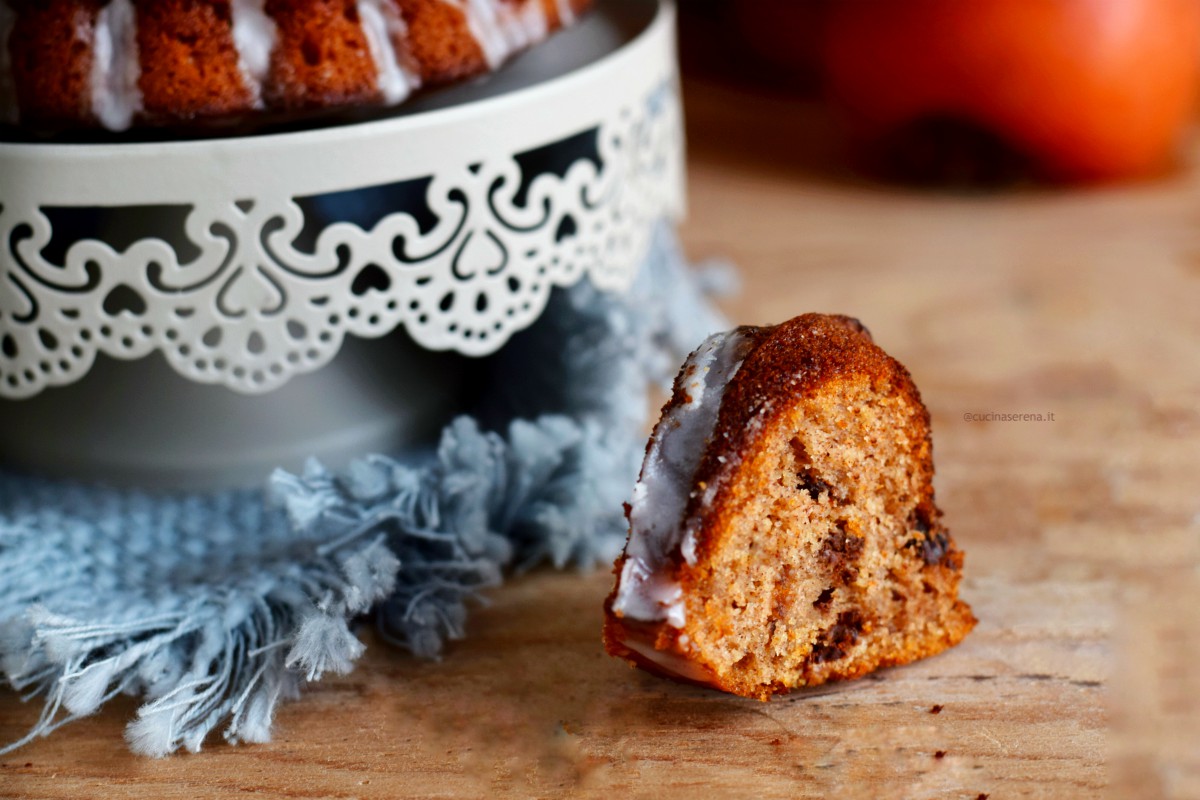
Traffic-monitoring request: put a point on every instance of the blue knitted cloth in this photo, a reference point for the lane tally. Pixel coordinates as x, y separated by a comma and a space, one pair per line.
211, 608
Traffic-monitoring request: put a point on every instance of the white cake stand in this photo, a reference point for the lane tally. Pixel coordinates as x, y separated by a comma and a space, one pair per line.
170, 312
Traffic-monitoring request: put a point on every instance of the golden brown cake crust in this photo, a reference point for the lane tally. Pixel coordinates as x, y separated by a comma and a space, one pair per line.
801, 367
50, 49
321, 56
189, 61
441, 42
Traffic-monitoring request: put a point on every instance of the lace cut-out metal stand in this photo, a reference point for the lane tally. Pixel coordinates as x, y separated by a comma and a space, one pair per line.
245, 262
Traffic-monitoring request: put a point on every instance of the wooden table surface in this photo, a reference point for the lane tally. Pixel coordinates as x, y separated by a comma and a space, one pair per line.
1082, 535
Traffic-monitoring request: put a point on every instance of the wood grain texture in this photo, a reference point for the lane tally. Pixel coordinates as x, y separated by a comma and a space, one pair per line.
1082, 535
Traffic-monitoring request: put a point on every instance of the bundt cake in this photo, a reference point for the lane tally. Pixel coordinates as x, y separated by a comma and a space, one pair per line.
70, 64
783, 532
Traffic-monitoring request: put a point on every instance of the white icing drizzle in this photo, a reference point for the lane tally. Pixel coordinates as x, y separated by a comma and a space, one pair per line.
384, 27
116, 98
670, 662
9, 111
254, 35
647, 590
566, 14
502, 29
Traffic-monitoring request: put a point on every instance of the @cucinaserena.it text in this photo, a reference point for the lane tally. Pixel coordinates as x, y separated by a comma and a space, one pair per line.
1003, 416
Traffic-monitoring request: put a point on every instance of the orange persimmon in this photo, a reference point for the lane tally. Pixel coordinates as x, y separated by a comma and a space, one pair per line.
1082, 89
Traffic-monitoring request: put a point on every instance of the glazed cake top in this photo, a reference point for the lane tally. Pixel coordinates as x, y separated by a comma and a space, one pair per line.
115, 64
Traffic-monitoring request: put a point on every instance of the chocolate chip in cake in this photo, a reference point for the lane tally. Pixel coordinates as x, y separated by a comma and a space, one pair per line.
836, 641
840, 552
824, 600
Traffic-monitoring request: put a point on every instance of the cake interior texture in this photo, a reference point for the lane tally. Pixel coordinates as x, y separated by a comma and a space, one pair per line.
819, 553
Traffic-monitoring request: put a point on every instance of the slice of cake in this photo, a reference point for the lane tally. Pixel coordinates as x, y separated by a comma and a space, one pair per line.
783, 532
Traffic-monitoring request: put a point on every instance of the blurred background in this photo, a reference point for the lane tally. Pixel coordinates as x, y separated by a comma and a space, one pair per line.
1007, 193
982, 94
